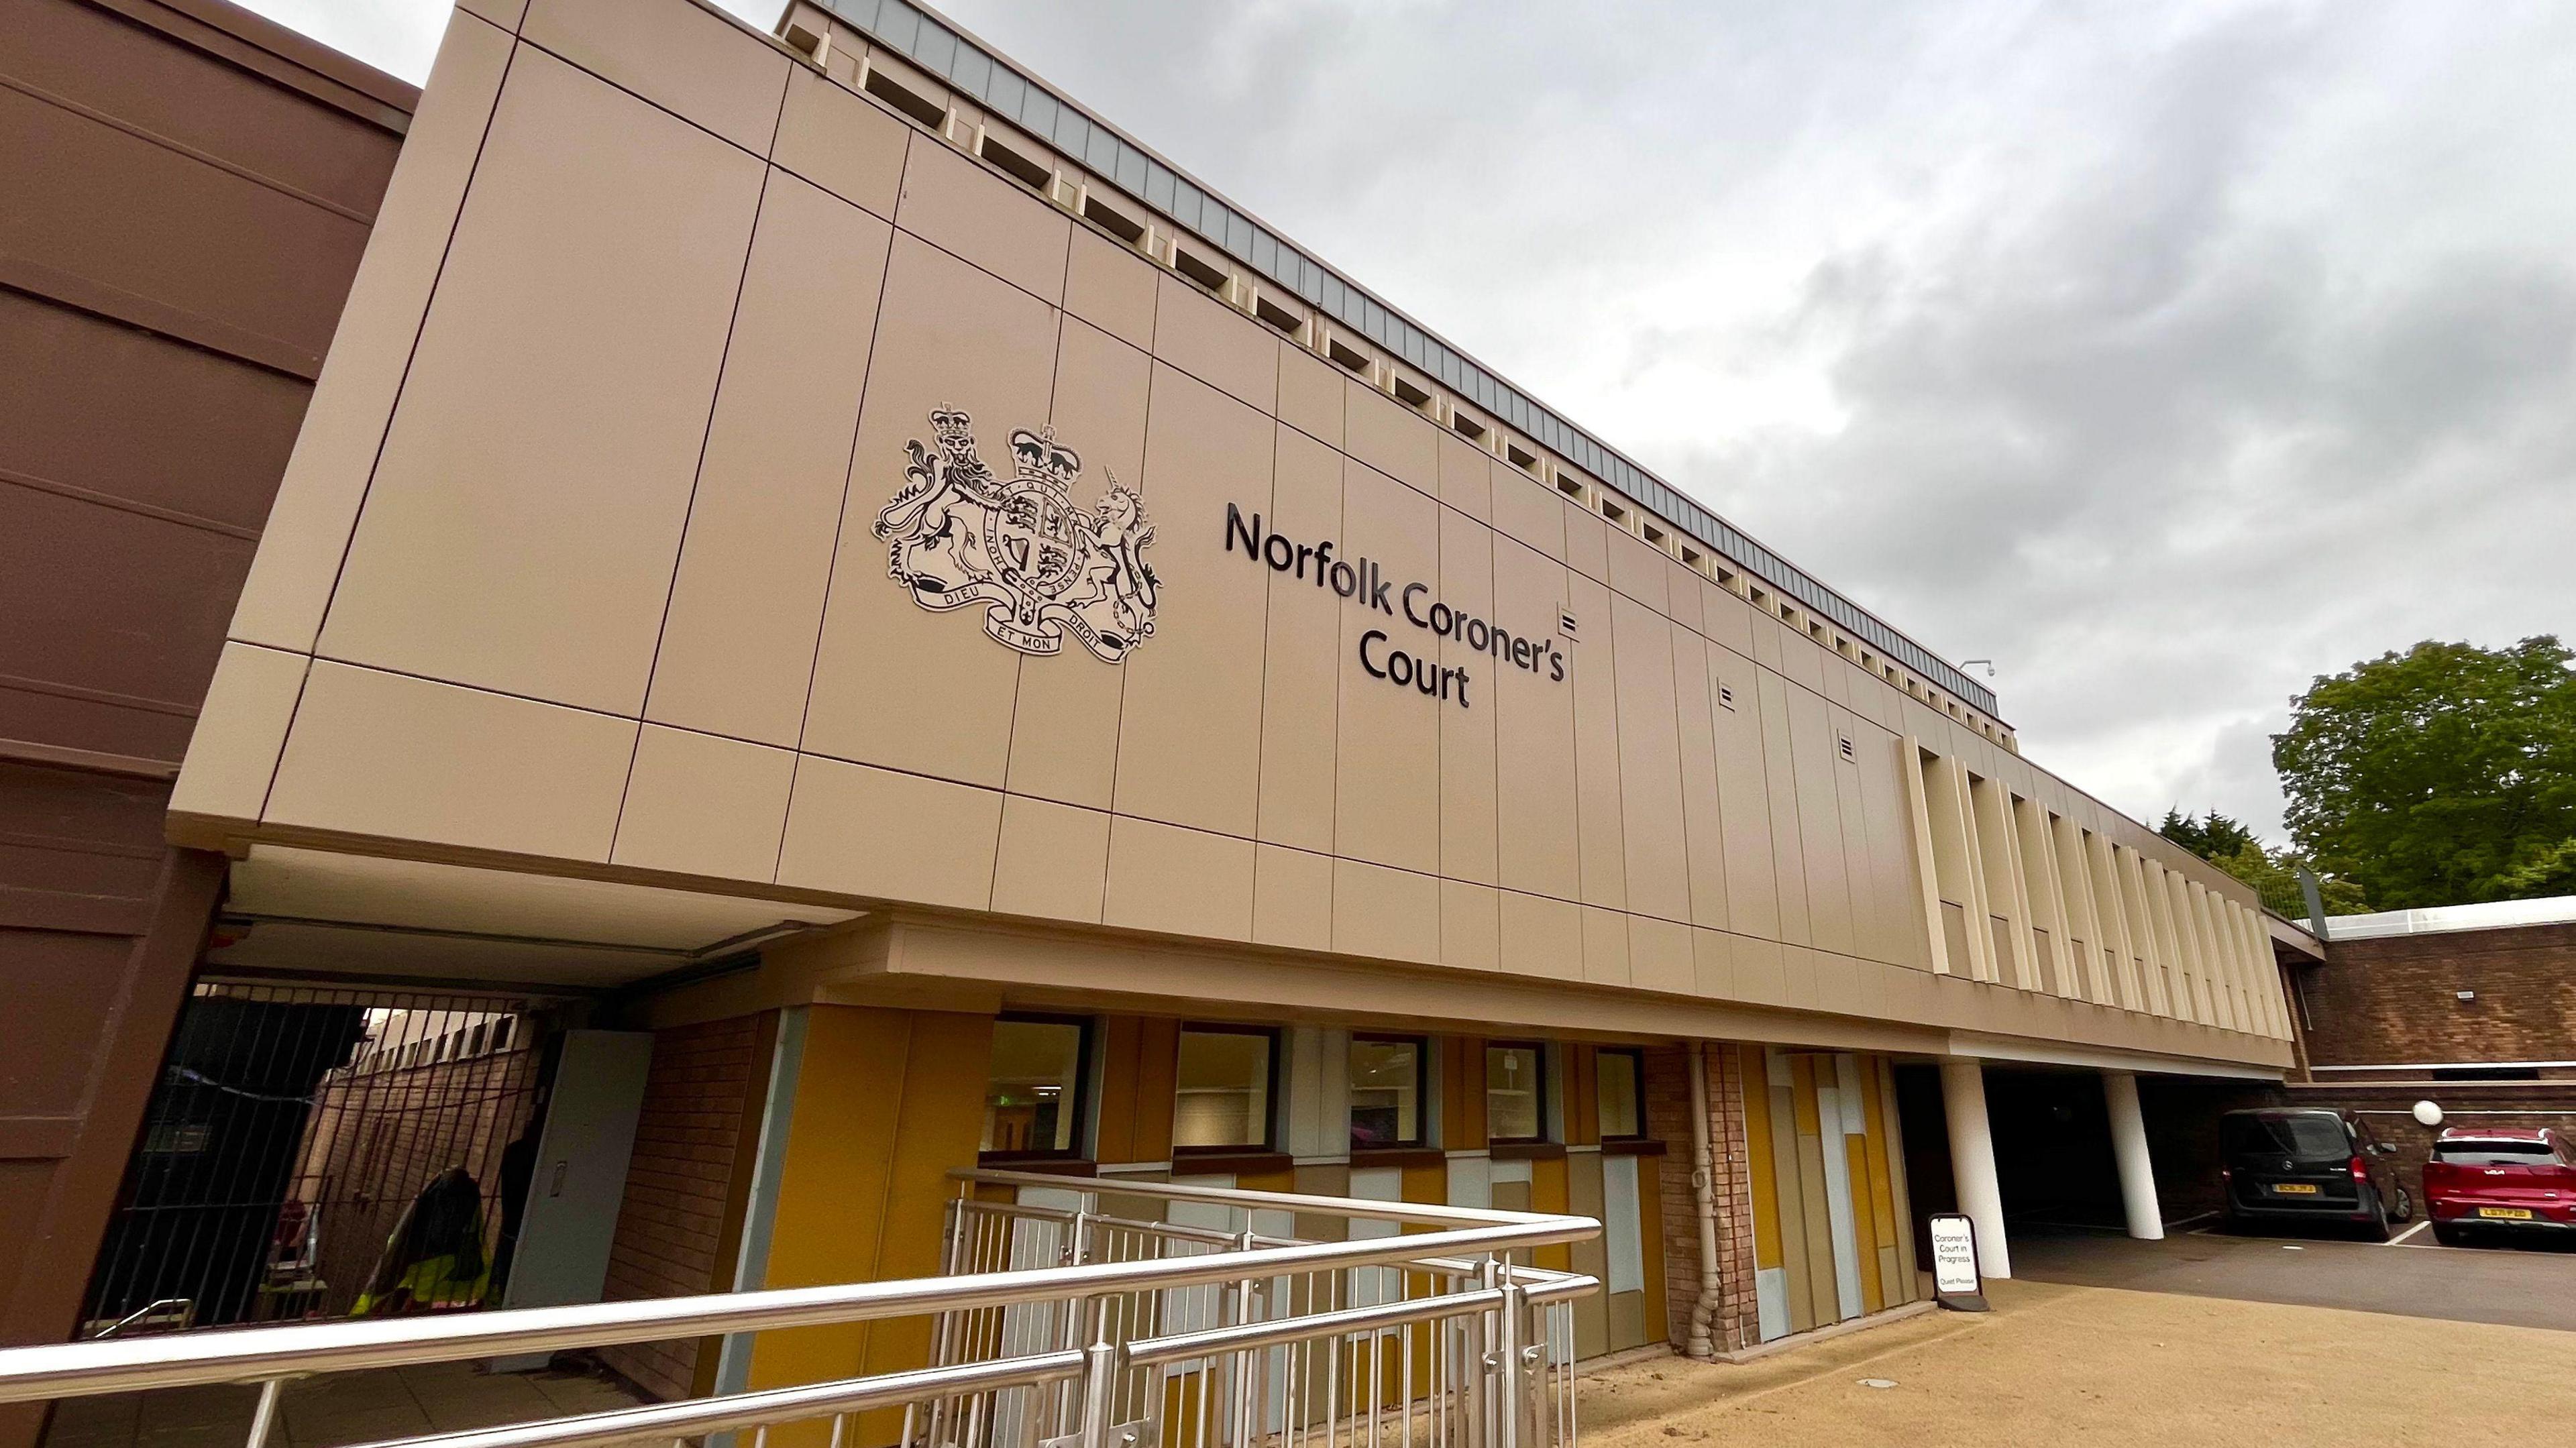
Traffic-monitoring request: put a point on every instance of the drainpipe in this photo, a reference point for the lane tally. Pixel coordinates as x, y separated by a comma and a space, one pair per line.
1702, 1343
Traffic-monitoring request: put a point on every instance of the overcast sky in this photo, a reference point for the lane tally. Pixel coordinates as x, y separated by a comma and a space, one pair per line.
2167, 354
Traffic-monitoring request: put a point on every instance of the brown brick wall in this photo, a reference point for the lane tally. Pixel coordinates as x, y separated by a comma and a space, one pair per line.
672, 1228
2392, 999
1668, 1117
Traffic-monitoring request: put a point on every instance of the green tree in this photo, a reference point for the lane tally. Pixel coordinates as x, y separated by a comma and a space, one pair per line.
2445, 775
2210, 837
2274, 874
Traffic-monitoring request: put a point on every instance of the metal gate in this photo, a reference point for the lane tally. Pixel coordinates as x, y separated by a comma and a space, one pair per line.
314, 1152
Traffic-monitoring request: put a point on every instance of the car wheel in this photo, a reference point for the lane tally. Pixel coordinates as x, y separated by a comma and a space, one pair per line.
2405, 1207
2377, 1228
2449, 1236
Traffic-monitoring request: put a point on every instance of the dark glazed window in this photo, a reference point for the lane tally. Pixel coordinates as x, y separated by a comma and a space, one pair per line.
1386, 1090
1226, 1085
1622, 1093
1515, 1091
1033, 1091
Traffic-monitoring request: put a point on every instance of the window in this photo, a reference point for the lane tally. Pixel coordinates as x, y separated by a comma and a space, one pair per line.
1515, 1091
1386, 1090
1622, 1091
2462, 1152
1033, 1089
1225, 1088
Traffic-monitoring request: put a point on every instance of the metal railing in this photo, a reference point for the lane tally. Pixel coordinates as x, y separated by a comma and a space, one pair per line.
1074, 1313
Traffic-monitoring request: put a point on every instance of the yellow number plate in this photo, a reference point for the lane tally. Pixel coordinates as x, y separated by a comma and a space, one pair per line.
2510, 1214
2295, 1189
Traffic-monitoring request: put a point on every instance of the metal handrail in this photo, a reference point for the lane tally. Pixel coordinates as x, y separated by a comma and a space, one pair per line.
1146, 1352
268, 1353
693, 1416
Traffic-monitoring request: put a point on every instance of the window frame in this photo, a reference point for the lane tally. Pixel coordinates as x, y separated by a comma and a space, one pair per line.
1421, 1091
1269, 1142
1538, 1050
1087, 1029
1637, 1057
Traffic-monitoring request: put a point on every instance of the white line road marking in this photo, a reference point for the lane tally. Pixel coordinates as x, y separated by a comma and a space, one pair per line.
2409, 1232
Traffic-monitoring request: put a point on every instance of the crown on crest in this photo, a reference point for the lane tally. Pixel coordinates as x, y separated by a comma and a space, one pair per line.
954, 429
1040, 459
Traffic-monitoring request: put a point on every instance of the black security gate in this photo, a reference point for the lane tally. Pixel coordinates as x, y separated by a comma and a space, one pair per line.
323, 1152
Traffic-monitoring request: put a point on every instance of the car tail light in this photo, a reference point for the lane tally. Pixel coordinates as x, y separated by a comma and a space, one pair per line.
2361, 1169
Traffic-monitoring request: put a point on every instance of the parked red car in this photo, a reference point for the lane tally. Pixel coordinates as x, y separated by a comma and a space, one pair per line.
2516, 1178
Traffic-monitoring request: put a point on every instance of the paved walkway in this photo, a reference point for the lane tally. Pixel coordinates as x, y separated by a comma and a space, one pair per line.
2055, 1365
327, 1411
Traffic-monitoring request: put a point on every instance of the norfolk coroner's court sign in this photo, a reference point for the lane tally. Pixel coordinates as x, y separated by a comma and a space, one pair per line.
1359, 580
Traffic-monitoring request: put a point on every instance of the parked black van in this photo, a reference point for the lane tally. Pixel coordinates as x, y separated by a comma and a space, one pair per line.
2288, 1163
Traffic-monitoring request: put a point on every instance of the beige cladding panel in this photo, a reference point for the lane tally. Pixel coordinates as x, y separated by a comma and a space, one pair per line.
1110, 287
841, 143
1189, 738
697, 804
894, 683
1470, 926
1466, 477
1215, 343
1387, 791
525, 517
1384, 913
1592, 675
1527, 511
307, 533
1743, 796
1703, 816
1292, 898
679, 57
1053, 860
1820, 825
737, 649
1469, 838
1534, 801
1650, 771
1396, 441
1542, 936
1311, 395
1859, 862
880, 834
240, 732
965, 210
1302, 659
373, 753
1181, 881
1639, 571
1788, 826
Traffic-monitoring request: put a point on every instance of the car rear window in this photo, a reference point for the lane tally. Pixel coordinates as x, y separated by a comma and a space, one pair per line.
2312, 1137
2494, 1153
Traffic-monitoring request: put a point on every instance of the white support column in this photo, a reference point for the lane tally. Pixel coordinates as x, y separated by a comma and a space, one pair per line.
1972, 1162
2129, 1148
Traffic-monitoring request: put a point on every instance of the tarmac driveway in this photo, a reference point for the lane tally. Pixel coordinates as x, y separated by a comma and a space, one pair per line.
2520, 1286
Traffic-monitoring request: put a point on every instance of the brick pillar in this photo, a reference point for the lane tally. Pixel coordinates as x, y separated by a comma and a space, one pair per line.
1668, 1118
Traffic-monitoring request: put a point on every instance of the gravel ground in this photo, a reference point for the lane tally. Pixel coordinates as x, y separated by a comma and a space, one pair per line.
2062, 1365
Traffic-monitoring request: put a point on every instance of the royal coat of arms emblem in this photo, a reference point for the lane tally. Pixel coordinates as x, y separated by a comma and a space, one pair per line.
957, 535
